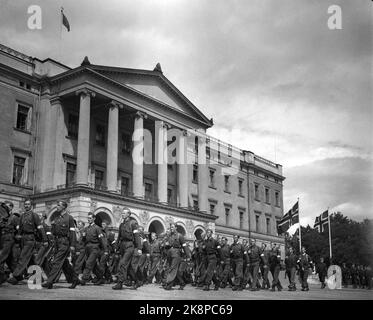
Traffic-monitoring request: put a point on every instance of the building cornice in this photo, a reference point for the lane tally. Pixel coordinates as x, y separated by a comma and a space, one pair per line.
119, 199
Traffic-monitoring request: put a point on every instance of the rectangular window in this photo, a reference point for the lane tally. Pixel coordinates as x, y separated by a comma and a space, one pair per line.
148, 191
219, 155
267, 195
196, 145
73, 126
240, 185
23, 118
227, 212
257, 225
208, 154
125, 186
277, 198
241, 219
195, 205
169, 196
195, 173
99, 178
126, 143
226, 183
229, 150
256, 187
100, 135
18, 170
212, 208
70, 174
212, 178
268, 225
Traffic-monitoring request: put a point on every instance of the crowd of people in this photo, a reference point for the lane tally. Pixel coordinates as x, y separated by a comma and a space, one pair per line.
88, 252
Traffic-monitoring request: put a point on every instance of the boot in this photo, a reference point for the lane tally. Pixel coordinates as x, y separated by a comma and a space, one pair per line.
13, 281
182, 286
273, 289
118, 286
99, 282
47, 285
206, 288
74, 284
168, 286
216, 288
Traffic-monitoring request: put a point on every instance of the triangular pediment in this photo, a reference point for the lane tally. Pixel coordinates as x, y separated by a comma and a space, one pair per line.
154, 85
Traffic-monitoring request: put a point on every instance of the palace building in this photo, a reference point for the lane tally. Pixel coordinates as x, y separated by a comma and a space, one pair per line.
95, 136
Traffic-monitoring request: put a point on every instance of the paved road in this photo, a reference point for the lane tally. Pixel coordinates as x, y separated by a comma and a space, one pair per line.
154, 292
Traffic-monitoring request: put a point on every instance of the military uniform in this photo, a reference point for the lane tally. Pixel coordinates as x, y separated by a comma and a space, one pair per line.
225, 265
212, 250
254, 260
143, 260
237, 255
29, 226
7, 240
44, 250
177, 243
63, 230
275, 267
79, 256
92, 237
304, 265
264, 268
291, 268
322, 271
155, 261
128, 241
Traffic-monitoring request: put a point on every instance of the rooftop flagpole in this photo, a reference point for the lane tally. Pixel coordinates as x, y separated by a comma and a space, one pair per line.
300, 230
330, 237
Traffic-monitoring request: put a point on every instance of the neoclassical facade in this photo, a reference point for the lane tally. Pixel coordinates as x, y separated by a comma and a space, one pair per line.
105, 137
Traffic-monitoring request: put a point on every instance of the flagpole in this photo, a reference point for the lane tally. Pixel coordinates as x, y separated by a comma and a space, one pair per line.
330, 237
300, 230
60, 44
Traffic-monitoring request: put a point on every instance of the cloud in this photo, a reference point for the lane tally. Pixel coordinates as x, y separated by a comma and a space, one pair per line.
275, 79
342, 184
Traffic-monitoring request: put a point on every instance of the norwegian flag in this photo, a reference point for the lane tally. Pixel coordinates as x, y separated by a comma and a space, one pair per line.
321, 221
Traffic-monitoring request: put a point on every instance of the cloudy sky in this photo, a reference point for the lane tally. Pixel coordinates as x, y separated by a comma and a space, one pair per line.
274, 77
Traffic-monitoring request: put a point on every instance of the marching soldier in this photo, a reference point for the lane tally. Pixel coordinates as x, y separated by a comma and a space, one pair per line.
144, 258
63, 230
264, 266
29, 225
225, 262
237, 255
212, 249
41, 255
8, 229
254, 259
79, 256
92, 237
304, 265
155, 258
322, 271
177, 243
128, 242
275, 267
291, 267
102, 270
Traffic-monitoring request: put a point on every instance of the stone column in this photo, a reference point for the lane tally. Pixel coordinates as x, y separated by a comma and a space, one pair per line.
202, 174
182, 165
59, 129
138, 155
83, 136
161, 159
112, 147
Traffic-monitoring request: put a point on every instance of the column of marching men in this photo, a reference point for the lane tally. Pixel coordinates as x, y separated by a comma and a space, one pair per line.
90, 253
